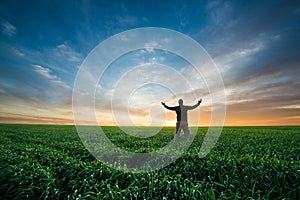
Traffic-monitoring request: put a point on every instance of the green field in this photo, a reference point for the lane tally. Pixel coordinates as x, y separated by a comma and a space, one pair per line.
41, 161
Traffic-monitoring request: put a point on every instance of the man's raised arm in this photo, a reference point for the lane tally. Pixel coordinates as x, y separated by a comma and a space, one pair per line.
195, 106
168, 107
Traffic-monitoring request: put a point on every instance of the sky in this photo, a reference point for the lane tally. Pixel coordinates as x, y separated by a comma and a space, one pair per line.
254, 44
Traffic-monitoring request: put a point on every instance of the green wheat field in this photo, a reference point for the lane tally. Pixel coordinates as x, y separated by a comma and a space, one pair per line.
50, 162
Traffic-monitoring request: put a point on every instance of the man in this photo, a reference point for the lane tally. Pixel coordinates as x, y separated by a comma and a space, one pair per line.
181, 112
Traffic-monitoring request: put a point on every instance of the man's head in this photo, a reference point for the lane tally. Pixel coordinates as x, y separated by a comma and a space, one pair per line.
180, 101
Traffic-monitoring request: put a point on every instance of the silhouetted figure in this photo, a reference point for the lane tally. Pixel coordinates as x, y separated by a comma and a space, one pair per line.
182, 122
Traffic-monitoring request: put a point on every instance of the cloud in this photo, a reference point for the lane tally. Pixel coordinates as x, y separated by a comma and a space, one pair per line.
30, 118
127, 20
270, 101
18, 52
231, 26
250, 49
66, 52
258, 58
139, 91
271, 96
63, 59
218, 11
8, 29
29, 107
149, 47
272, 62
46, 73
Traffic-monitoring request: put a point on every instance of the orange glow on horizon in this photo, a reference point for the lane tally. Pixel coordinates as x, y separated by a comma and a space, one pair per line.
170, 121
262, 118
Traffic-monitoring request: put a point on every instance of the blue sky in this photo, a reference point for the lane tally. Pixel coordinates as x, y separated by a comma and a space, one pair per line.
255, 44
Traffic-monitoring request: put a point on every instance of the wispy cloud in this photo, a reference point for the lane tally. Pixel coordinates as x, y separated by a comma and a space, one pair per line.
66, 52
7, 28
46, 73
32, 119
49, 101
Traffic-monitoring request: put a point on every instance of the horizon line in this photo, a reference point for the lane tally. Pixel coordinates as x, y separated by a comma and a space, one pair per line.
201, 126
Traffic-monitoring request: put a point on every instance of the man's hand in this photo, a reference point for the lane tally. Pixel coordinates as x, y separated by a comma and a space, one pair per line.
163, 103
199, 101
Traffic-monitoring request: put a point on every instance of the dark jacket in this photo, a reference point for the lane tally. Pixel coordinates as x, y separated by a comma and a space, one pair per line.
181, 111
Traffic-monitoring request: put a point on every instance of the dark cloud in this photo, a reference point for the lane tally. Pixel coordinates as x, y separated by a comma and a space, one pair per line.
281, 59
240, 23
277, 97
